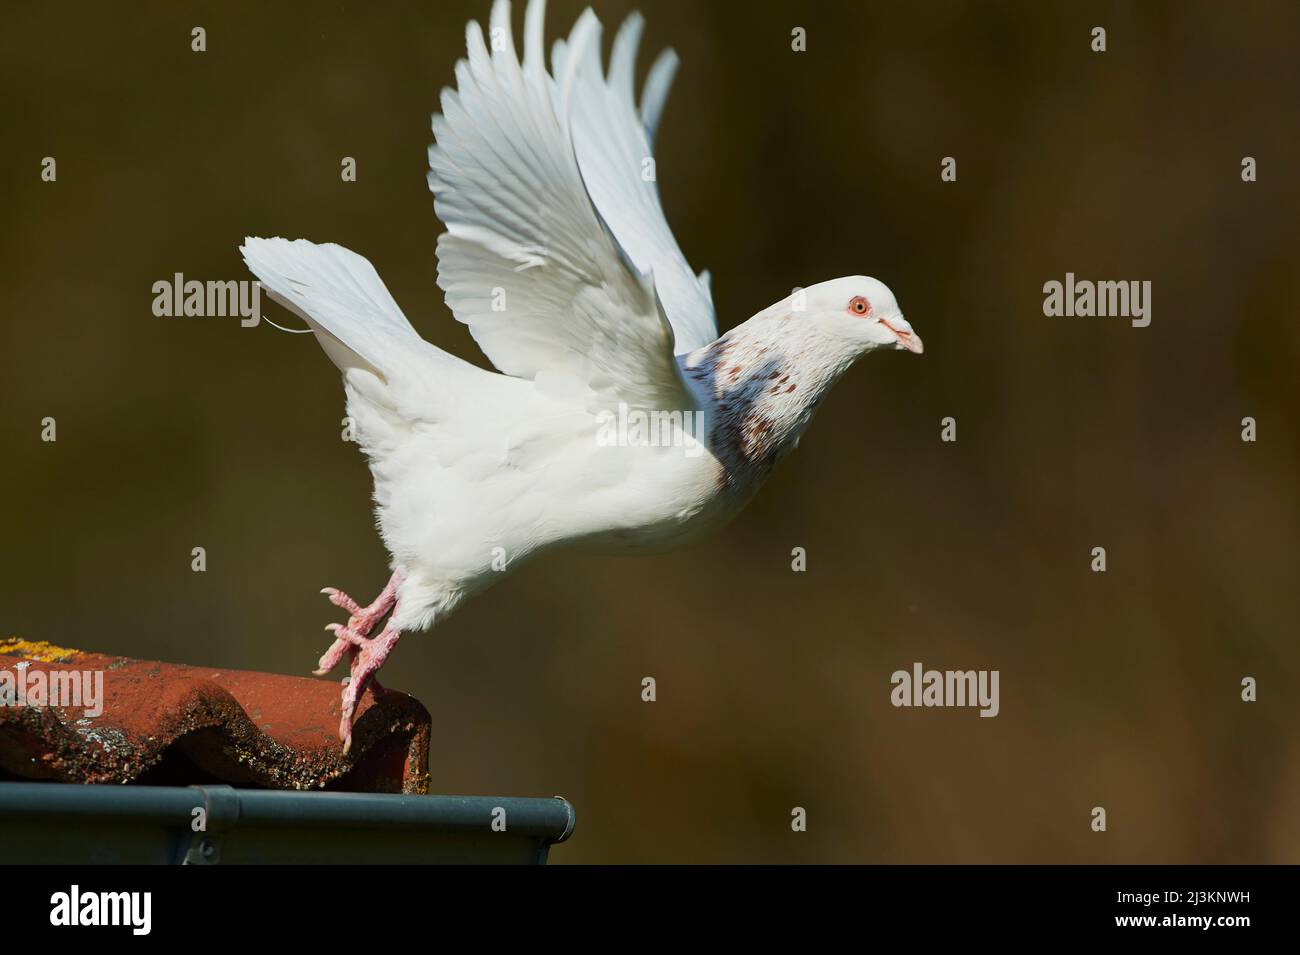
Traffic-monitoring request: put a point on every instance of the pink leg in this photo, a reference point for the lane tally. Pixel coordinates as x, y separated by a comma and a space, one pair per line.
361, 621
367, 653
366, 661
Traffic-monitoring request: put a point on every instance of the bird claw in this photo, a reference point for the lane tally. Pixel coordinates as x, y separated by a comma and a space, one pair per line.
363, 619
353, 639
341, 600
367, 658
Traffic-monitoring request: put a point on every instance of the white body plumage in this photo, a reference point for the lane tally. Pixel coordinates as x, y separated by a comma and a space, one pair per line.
558, 258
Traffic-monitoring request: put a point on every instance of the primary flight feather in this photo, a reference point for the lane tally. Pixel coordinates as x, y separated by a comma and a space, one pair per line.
617, 419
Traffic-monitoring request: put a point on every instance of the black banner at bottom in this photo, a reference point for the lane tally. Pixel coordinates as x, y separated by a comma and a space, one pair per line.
222, 903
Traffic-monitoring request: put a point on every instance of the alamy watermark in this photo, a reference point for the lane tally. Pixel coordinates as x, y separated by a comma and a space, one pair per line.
634, 428
211, 299
24, 686
130, 909
922, 687
1085, 298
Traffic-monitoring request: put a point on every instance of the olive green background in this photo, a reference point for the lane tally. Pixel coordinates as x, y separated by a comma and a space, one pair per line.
777, 169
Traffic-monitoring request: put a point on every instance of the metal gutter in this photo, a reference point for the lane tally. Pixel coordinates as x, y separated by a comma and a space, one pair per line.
52, 823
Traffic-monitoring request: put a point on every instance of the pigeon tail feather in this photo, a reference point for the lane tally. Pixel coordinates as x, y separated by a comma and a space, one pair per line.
339, 294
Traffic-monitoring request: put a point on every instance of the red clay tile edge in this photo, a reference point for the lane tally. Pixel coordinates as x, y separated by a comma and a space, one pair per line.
166, 722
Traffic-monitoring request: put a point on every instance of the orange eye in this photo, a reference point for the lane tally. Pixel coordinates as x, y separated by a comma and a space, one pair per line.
859, 306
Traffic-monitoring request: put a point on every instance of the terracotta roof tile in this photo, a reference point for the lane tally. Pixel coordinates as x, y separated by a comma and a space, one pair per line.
171, 724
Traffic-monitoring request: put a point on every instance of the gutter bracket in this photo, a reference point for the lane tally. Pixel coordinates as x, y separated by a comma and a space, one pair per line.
220, 814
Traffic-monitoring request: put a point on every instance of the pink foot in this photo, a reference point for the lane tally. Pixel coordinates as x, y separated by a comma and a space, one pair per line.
361, 621
353, 638
366, 661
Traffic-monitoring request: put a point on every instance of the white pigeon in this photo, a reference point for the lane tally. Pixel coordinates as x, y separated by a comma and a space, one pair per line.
617, 419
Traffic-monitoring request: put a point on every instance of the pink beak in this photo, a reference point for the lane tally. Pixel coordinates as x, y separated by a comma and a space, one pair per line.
906, 337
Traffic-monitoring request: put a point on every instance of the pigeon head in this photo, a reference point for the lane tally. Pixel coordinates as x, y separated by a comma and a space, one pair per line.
762, 381
860, 312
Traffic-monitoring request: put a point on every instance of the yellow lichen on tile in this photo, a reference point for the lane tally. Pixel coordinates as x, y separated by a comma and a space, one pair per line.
36, 650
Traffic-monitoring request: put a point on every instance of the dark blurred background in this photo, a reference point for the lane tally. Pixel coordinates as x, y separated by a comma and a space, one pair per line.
777, 169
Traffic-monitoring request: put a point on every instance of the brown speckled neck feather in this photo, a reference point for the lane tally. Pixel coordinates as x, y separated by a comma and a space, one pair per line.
760, 385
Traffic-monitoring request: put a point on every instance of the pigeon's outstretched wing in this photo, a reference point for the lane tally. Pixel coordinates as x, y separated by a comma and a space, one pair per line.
613, 144
556, 253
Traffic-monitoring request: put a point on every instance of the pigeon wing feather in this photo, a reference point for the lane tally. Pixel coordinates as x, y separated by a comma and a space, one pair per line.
529, 261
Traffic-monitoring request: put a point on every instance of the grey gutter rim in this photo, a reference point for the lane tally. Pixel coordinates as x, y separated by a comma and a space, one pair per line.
550, 819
